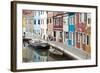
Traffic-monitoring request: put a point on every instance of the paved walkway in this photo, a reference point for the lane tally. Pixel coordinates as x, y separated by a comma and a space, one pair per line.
75, 53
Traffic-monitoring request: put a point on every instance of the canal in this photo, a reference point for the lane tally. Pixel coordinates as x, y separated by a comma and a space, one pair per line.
36, 53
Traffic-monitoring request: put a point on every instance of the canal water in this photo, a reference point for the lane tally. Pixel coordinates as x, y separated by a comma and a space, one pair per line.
52, 55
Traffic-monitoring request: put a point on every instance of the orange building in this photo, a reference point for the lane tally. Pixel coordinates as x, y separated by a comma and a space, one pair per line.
83, 31
27, 21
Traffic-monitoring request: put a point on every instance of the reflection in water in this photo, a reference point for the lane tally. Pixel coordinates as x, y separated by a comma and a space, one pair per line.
38, 54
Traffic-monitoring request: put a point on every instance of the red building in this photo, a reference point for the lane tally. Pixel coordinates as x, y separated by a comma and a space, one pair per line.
80, 30
77, 29
58, 26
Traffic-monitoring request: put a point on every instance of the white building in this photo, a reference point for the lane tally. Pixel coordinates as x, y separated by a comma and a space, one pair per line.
36, 20
43, 24
65, 29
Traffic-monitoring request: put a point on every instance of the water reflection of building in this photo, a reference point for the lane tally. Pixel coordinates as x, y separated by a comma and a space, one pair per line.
40, 52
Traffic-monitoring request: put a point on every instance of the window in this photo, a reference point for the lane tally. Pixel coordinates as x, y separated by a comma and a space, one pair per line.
54, 33
71, 19
50, 20
47, 21
80, 17
39, 13
60, 21
39, 21
88, 40
66, 34
60, 34
54, 21
34, 13
57, 21
89, 21
34, 21
85, 17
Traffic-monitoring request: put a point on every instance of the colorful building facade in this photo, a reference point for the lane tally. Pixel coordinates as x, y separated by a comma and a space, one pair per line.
36, 20
88, 34
40, 24
27, 22
58, 26
82, 31
43, 24
50, 22
71, 29
65, 29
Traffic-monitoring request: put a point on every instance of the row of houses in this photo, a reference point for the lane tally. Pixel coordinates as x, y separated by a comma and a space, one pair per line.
72, 29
